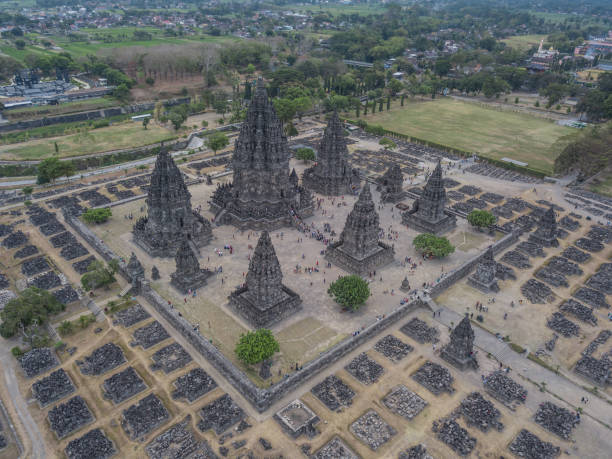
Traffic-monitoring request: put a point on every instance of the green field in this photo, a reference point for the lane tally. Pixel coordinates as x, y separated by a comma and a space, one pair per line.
94, 103
125, 135
602, 184
477, 129
336, 9
524, 42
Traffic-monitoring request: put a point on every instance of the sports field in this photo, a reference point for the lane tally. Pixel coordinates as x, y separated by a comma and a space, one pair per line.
477, 129
116, 137
524, 42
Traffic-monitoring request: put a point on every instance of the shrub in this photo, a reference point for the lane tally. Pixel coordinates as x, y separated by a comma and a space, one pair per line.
305, 154
432, 245
481, 218
256, 346
97, 215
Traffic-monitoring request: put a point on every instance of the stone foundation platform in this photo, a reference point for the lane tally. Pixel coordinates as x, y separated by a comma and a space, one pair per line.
183, 284
485, 288
469, 363
264, 318
383, 256
414, 221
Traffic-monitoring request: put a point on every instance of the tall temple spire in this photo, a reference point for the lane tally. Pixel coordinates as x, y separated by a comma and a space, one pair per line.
484, 277
359, 249
262, 195
428, 213
263, 299
391, 184
460, 350
332, 175
188, 274
546, 233
170, 217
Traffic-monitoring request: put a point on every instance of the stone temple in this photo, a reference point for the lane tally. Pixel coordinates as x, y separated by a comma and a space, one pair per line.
332, 175
546, 233
170, 218
359, 250
484, 277
391, 184
428, 213
460, 350
261, 195
263, 299
136, 272
188, 274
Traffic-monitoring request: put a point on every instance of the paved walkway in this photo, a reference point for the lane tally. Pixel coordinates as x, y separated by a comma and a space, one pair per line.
12, 385
558, 385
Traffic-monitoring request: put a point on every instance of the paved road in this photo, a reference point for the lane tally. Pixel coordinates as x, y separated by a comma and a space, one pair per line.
566, 389
35, 437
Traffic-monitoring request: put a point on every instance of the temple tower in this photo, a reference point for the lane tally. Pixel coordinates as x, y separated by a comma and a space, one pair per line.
263, 300
484, 277
188, 274
170, 218
460, 350
546, 234
391, 184
262, 196
359, 250
428, 213
332, 175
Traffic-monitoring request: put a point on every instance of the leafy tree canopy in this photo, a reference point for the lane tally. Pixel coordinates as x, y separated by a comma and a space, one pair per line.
256, 346
433, 245
99, 275
51, 169
350, 292
32, 306
97, 215
217, 141
305, 154
481, 218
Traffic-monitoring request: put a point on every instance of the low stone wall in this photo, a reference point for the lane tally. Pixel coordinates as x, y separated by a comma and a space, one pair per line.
463, 270
262, 399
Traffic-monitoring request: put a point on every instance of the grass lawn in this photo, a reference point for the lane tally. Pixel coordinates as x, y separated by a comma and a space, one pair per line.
602, 184
124, 135
68, 107
471, 127
524, 42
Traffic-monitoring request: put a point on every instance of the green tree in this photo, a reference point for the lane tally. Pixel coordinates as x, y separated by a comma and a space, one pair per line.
65, 328
27, 190
387, 143
98, 275
32, 307
217, 141
395, 86
256, 346
145, 122
432, 245
350, 292
121, 92
177, 118
20, 44
51, 169
481, 218
305, 154
290, 129
97, 215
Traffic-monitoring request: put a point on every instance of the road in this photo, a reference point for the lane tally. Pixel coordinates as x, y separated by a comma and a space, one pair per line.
12, 385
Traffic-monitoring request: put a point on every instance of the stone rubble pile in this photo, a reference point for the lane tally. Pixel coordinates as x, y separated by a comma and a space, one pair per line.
529, 446
455, 195
516, 259
493, 198
15, 240
365, 369
72, 251
335, 449
504, 272
477, 203
101, 360
27, 251
599, 371
591, 297
600, 233
456, 437
193, 385
38, 361
46, 281
537, 292
579, 311
66, 295
170, 358
590, 245
574, 254
333, 393
420, 331
53, 387
564, 266
179, 442
393, 348
51, 228
404, 402
556, 419
559, 323
600, 339
480, 412
435, 378
602, 281
150, 335
569, 223
531, 249
551, 343
551, 277
505, 389
131, 315
70, 416
372, 430
34, 266
63, 239
470, 189
415, 452
143, 417
93, 445
82, 266
220, 415
502, 211
123, 385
